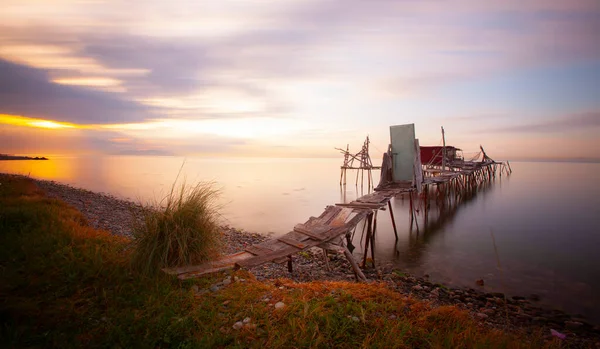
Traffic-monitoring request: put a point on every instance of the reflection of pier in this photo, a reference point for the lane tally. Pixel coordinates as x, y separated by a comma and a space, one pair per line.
444, 179
435, 218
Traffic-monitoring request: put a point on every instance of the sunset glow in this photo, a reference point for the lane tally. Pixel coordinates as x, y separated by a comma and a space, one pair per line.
304, 75
37, 123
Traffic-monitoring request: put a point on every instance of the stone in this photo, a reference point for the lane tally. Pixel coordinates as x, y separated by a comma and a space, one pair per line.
214, 288
417, 288
246, 320
355, 319
573, 324
238, 325
279, 305
392, 317
226, 282
482, 316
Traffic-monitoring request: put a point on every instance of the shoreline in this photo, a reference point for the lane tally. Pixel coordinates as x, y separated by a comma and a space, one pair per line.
106, 212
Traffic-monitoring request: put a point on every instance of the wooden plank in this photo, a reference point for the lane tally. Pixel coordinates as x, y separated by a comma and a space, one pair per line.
292, 242
329, 212
286, 251
315, 232
258, 250
355, 204
223, 263
340, 219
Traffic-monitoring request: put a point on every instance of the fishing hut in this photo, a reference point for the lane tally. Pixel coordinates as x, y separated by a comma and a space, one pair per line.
423, 174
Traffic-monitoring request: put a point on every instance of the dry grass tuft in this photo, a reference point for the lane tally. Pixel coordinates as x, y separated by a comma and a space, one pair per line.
181, 230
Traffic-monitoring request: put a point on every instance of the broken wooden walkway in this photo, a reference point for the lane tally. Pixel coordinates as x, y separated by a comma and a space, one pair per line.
338, 221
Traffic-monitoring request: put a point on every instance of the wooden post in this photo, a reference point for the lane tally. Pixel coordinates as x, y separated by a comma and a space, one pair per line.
326, 258
373, 238
368, 238
393, 220
357, 272
444, 151
289, 264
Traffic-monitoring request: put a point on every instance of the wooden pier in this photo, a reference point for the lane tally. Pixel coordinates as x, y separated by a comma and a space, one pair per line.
448, 185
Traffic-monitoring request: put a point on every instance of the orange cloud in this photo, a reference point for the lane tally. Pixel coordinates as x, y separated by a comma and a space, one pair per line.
15, 120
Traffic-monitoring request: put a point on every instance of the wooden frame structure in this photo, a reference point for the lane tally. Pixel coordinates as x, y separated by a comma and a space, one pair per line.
364, 163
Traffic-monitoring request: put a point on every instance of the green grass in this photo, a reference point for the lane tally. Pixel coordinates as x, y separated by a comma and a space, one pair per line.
64, 284
180, 230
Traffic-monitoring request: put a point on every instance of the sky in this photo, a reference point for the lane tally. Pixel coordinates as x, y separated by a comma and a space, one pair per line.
298, 78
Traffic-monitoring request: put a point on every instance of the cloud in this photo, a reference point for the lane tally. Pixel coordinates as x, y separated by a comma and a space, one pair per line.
28, 91
582, 121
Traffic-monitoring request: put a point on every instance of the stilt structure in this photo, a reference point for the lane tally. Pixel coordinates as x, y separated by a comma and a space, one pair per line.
360, 161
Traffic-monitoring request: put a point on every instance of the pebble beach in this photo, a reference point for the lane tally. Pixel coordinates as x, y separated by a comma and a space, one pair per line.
109, 213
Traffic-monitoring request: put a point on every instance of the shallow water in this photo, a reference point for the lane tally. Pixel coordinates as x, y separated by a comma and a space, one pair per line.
544, 218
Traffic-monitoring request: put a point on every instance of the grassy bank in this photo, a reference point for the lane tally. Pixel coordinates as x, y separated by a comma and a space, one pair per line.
64, 284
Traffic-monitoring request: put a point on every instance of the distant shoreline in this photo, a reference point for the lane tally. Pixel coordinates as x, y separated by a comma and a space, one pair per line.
16, 157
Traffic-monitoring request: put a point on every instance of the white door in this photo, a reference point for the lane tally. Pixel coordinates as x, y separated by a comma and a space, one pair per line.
403, 151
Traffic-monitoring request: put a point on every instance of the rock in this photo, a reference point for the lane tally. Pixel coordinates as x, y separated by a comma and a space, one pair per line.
482, 316
355, 319
488, 311
246, 320
214, 288
573, 324
392, 317
417, 288
238, 325
279, 305
226, 282
435, 293
557, 334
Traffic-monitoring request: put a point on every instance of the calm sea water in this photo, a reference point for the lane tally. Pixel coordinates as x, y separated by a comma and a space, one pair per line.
544, 218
